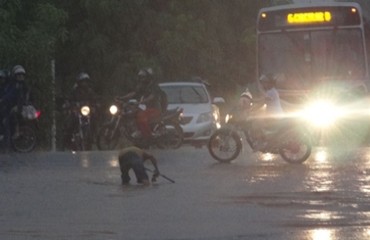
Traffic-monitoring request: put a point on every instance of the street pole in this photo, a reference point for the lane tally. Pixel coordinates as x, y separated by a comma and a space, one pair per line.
53, 125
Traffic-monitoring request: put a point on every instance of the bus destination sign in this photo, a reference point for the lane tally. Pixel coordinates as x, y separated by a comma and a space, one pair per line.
309, 17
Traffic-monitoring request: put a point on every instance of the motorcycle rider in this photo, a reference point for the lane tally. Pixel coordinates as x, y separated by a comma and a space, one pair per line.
273, 111
15, 93
148, 93
245, 104
81, 93
245, 100
271, 96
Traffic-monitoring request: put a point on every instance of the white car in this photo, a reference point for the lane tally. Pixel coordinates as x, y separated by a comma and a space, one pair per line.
201, 117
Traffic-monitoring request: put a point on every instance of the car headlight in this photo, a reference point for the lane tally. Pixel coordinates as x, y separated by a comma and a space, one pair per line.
85, 110
322, 113
113, 109
205, 117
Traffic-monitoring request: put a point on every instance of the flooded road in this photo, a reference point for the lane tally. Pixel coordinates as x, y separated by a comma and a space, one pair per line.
78, 196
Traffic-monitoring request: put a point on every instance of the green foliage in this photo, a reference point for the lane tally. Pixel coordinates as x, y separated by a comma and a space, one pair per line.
29, 34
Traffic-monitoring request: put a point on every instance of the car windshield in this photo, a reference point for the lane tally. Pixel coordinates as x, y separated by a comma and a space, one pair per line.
301, 59
185, 94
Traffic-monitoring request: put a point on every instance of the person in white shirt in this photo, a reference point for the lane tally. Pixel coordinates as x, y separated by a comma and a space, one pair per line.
271, 95
273, 111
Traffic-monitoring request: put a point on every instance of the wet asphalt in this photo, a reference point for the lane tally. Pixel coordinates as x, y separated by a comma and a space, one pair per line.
64, 195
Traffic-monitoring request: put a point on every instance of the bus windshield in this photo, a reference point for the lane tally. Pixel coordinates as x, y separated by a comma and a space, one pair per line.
301, 59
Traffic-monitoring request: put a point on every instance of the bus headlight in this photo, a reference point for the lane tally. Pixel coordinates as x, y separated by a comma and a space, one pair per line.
322, 113
113, 109
85, 110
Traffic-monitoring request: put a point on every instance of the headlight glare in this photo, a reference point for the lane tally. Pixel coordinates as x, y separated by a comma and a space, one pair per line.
113, 109
322, 113
228, 117
85, 110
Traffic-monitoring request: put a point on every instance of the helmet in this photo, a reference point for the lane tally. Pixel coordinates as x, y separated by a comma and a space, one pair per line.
145, 72
18, 69
268, 78
246, 93
145, 76
83, 76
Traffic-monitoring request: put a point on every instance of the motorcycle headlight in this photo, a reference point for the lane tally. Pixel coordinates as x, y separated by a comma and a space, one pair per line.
113, 109
322, 113
85, 110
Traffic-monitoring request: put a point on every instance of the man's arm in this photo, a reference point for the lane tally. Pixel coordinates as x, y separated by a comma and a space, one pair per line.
147, 99
154, 162
127, 96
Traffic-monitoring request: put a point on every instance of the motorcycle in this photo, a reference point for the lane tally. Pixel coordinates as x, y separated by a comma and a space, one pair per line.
82, 133
166, 131
23, 135
290, 138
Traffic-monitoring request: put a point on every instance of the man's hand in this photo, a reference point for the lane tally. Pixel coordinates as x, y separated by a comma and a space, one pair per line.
155, 175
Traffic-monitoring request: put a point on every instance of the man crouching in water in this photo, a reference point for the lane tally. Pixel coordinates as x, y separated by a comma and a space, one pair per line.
134, 157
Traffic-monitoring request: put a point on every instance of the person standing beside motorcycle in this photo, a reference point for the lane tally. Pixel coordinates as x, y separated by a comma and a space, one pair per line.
82, 93
148, 93
15, 93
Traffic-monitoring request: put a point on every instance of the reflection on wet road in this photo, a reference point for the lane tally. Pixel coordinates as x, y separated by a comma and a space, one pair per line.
79, 196
325, 196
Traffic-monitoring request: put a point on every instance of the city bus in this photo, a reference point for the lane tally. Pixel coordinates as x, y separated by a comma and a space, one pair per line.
315, 50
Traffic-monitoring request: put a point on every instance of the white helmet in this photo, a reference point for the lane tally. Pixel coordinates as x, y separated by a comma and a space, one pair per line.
246, 93
145, 72
18, 69
83, 76
268, 78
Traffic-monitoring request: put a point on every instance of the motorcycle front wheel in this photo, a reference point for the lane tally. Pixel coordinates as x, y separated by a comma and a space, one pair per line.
24, 140
172, 138
108, 137
224, 145
295, 148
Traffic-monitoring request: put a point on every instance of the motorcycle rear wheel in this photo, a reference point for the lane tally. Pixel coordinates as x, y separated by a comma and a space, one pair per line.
173, 137
224, 145
108, 138
25, 140
295, 148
